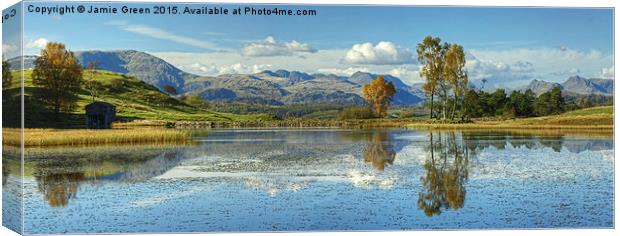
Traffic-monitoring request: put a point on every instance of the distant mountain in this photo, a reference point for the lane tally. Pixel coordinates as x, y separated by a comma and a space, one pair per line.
574, 85
405, 94
540, 86
141, 65
267, 87
293, 87
580, 85
27, 60
285, 87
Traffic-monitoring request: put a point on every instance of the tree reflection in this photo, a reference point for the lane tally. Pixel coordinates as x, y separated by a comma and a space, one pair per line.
446, 174
60, 173
379, 151
59, 188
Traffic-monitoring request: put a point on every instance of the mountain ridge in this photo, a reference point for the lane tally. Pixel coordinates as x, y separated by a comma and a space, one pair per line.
279, 87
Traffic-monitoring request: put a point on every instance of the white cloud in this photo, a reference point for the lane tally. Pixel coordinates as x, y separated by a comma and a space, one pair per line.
270, 47
608, 73
8, 50
164, 35
343, 71
501, 68
408, 74
237, 68
37, 43
384, 53
518, 66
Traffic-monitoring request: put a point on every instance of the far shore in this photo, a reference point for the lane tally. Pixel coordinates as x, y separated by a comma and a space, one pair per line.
596, 120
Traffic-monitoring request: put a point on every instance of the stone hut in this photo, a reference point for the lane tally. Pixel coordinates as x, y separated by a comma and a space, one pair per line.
100, 115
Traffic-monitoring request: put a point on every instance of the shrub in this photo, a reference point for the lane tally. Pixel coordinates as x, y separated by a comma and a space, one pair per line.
357, 112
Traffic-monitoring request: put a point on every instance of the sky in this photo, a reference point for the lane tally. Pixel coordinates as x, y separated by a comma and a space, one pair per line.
505, 46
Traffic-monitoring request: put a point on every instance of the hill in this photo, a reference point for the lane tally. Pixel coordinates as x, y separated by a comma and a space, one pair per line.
141, 65
134, 100
144, 66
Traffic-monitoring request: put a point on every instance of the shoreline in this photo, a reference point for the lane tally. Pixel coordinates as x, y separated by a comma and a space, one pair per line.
162, 134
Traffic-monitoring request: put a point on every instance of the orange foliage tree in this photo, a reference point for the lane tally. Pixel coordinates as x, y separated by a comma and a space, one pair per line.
59, 74
379, 94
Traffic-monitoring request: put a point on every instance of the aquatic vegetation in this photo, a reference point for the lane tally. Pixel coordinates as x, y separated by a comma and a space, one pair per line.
56, 137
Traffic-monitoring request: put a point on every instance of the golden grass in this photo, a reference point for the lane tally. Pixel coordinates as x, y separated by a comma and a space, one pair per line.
83, 137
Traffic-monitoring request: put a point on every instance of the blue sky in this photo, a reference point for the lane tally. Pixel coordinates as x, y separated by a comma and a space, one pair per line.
504, 45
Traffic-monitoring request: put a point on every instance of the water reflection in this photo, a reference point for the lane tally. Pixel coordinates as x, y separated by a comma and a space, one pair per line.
276, 160
59, 188
379, 151
59, 173
446, 174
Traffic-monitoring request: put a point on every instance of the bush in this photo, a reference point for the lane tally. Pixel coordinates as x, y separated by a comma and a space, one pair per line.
357, 112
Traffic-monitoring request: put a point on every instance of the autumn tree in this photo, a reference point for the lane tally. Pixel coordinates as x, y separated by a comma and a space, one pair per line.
59, 75
7, 77
430, 55
456, 76
170, 90
379, 93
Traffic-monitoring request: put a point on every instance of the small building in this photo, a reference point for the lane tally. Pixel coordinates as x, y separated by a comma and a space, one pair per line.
100, 115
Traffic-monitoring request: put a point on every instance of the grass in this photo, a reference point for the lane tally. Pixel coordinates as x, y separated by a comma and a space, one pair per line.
83, 137
597, 118
133, 98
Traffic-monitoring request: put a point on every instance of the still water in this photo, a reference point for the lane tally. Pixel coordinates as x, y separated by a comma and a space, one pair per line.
320, 179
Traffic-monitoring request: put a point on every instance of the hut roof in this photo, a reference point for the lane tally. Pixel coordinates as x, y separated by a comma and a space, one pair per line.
99, 104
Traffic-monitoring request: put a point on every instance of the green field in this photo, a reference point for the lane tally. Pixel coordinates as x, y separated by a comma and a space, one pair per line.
133, 98
588, 118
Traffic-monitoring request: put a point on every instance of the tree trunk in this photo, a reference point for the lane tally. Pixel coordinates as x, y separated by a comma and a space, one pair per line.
456, 99
445, 104
432, 97
463, 108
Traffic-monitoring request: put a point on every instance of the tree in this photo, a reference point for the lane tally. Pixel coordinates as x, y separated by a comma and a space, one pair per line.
550, 103
170, 90
521, 104
430, 55
196, 101
7, 77
92, 84
456, 75
496, 102
379, 93
472, 103
60, 76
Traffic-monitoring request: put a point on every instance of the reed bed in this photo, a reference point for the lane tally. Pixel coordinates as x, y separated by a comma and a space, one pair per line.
56, 137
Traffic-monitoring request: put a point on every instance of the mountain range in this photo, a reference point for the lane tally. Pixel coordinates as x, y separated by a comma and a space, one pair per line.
281, 86
574, 85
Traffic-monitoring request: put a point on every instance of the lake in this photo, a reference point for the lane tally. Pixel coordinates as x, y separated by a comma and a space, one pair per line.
319, 180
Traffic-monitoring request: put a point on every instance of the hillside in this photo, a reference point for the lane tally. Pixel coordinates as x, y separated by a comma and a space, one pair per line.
144, 66
593, 116
134, 100
141, 65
